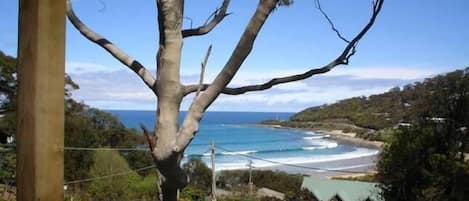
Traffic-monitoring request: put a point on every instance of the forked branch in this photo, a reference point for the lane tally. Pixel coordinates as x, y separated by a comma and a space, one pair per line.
218, 16
342, 59
243, 48
117, 53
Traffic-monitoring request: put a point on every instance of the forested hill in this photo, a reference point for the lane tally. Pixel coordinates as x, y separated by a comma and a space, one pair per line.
390, 108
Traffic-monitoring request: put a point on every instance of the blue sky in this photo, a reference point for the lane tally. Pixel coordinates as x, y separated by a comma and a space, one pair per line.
411, 40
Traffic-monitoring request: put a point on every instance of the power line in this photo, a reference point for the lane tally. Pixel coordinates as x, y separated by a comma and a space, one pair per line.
142, 149
103, 149
286, 164
91, 148
8, 145
109, 176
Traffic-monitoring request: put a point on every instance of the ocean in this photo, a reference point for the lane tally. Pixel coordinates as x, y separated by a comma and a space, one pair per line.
239, 139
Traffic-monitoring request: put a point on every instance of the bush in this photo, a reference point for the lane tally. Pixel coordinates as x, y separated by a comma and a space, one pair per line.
276, 180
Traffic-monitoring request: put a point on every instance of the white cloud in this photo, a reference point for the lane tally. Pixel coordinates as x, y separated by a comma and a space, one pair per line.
121, 89
382, 72
311, 95
293, 86
86, 67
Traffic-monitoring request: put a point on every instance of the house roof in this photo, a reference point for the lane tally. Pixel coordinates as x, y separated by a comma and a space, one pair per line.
265, 192
325, 189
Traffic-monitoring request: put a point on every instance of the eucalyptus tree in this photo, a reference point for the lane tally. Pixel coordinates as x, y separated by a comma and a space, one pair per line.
169, 139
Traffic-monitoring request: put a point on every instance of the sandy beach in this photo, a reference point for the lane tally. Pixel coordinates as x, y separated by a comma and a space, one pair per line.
337, 135
349, 138
344, 167
349, 167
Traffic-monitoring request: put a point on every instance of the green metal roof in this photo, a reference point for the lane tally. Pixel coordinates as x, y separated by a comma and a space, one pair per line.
325, 189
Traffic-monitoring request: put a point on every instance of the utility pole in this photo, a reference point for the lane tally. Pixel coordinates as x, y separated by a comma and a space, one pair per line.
40, 114
251, 185
214, 182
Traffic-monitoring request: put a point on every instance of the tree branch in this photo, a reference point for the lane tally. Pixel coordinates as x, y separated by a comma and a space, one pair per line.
342, 59
125, 59
202, 71
151, 138
243, 48
218, 16
318, 6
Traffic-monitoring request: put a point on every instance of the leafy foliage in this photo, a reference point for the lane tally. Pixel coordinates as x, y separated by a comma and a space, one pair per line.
84, 127
301, 195
200, 176
113, 188
8, 87
129, 186
87, 127
192, 193
236, 181
383, 110
426, 161
276, 180
7, 165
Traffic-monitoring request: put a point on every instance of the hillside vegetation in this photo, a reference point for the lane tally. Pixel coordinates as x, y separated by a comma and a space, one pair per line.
388, 109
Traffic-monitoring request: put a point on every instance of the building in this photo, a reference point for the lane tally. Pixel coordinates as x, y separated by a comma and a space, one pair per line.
265, 192
341, 190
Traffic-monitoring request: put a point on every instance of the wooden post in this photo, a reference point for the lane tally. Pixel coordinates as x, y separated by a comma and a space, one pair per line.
40, 127
250, 184
214, 181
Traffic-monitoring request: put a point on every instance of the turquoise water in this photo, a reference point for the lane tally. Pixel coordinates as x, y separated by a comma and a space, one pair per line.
241, 140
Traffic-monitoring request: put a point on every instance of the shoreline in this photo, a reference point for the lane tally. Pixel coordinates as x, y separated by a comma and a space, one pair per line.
350, 167
365, 165
351, 139
337, 135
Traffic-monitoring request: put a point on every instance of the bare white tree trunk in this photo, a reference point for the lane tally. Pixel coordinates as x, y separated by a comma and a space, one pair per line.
168, 142
170, 94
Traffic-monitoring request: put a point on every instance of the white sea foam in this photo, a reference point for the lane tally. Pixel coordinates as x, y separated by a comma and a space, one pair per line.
238, 152
350, 166
332, 145
326, 146
313, 137
358, 153
324, 143
310, 133
312, 148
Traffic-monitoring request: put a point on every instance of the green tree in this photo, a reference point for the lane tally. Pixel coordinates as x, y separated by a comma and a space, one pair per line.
84, 127
118, 187
426, 161
200, 176
8, 87
146, 188
301, 195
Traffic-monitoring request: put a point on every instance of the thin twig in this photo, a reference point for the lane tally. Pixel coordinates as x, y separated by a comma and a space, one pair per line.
216, 17
202, 71
318, 6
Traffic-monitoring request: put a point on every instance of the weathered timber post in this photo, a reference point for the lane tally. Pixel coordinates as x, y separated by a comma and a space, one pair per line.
250, 184
214, 174
40, 129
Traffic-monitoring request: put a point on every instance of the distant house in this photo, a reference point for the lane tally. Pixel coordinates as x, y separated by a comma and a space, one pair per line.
341, 190
402, 124
437, 119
